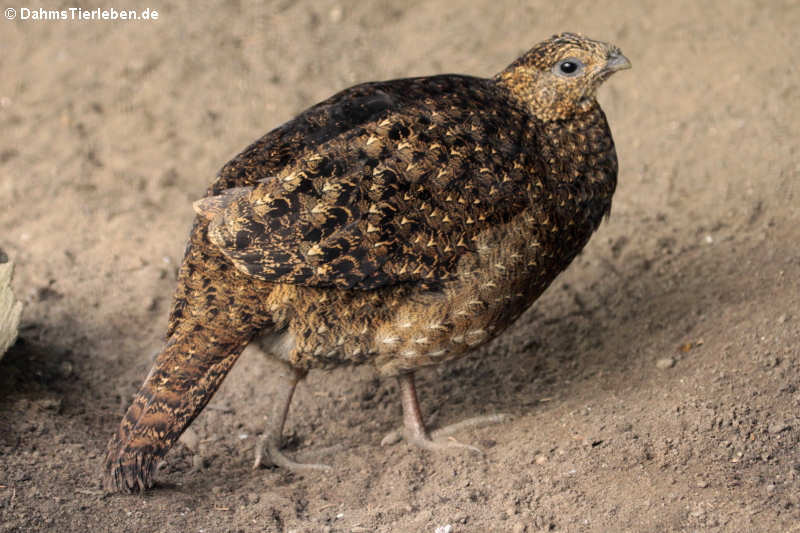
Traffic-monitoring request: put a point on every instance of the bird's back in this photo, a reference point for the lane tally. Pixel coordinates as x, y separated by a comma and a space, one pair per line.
360, 107
383, 184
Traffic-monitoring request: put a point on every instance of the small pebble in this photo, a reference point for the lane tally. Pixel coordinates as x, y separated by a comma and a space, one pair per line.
190, 439
541, 459
65, 368
778, 427
335, 14
665, 363
444, 529
51, 404
701, 484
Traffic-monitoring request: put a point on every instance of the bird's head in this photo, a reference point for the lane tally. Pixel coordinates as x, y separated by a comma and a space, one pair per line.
560, 76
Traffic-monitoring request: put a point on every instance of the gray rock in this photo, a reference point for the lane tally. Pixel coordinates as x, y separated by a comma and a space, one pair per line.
665, 363
10, 308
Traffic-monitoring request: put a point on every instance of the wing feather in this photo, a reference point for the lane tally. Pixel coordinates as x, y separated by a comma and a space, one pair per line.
390, 183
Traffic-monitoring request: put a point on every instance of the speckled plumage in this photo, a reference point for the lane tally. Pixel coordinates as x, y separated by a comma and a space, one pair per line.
398, 223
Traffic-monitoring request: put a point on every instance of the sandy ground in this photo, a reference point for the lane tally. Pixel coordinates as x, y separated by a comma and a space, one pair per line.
655, 386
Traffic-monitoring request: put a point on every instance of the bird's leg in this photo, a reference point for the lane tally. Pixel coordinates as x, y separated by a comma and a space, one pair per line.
414, 427
268, 449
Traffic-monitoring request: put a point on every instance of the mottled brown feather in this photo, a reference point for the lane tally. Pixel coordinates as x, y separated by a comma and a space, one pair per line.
400, 223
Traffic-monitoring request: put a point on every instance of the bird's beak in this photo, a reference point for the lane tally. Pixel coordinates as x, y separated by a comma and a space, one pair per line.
617, 61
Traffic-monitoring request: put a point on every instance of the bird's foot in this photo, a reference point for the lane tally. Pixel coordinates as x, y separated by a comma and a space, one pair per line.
441, 438
268, 449
268, 452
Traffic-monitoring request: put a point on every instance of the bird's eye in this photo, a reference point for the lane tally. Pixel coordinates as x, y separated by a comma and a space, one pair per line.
569, 67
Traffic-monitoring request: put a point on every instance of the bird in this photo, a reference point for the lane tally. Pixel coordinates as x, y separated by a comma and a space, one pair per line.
400, 224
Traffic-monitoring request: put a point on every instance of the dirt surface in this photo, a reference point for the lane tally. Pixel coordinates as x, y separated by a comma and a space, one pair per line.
654, 387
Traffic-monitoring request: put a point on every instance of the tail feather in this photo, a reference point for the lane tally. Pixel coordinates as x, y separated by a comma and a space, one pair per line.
185, 376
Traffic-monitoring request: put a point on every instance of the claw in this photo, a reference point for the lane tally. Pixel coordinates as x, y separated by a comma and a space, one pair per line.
268, 452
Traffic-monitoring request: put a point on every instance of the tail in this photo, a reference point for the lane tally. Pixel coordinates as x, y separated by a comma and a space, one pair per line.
216, 313
185, 376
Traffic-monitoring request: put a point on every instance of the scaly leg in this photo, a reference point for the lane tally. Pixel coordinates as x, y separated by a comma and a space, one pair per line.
414, 430
268, 449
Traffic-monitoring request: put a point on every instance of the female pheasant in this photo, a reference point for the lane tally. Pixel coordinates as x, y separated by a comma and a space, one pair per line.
399, 223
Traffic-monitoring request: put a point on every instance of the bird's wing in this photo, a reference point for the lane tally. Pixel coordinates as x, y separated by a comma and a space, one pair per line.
402, 182
283, 146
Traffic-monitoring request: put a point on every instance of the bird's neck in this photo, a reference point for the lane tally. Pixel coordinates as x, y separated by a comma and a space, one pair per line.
579, 169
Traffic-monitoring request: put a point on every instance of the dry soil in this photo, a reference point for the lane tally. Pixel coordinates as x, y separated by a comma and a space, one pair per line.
654, 387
